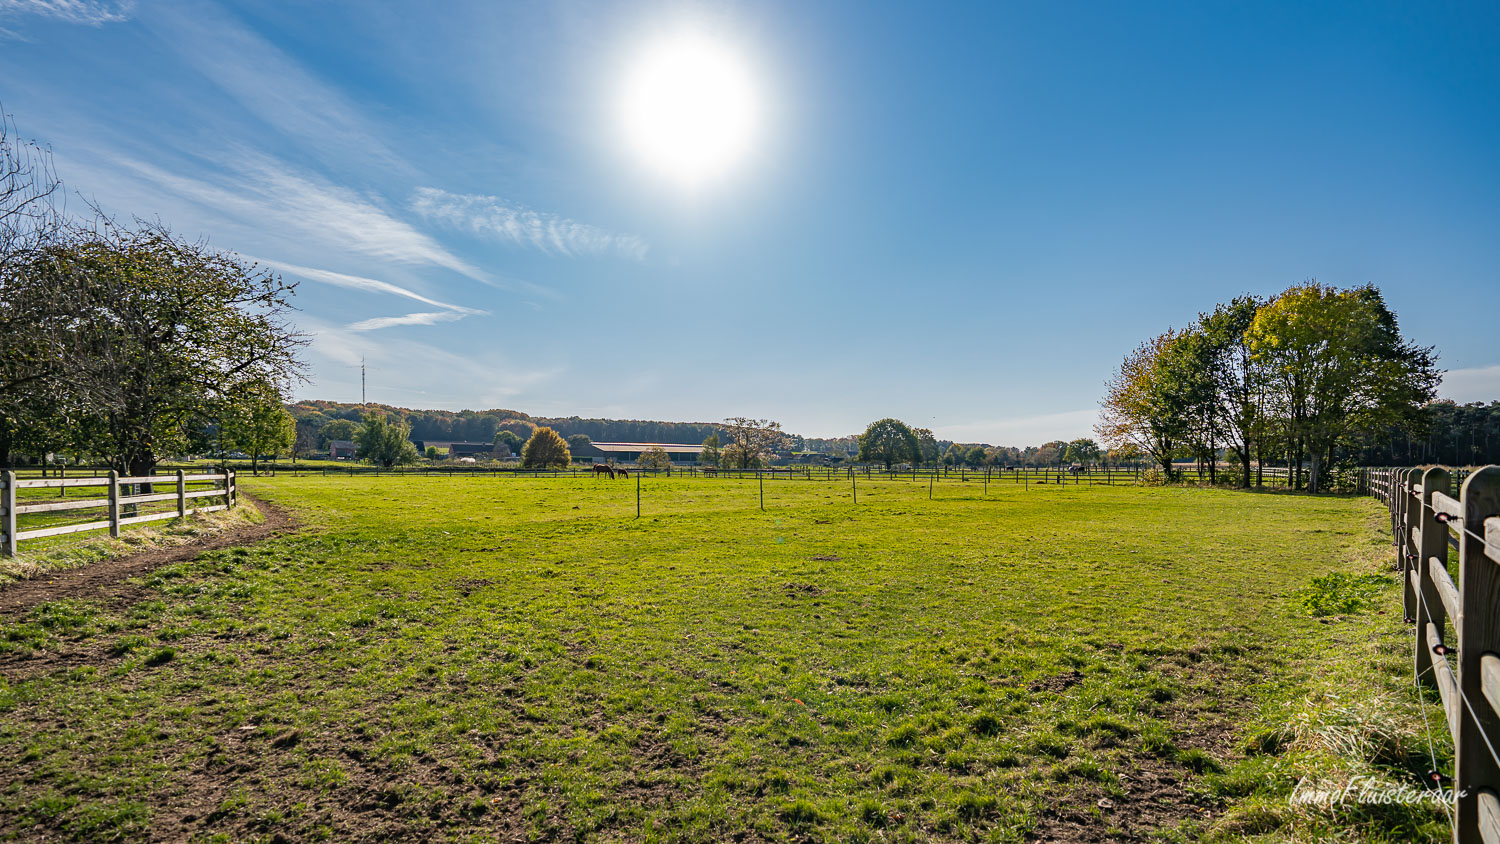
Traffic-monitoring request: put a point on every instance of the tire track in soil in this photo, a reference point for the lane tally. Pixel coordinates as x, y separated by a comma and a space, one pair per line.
110, 580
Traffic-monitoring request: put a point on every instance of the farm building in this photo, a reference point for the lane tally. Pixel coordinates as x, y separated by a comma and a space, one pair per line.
458, 449
631, 452
341, 450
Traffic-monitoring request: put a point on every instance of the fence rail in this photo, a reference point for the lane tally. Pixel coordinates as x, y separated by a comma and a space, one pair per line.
119, 509
1460, 620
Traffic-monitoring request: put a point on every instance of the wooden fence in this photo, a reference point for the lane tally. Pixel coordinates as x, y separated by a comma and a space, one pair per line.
1459, 620
118, 509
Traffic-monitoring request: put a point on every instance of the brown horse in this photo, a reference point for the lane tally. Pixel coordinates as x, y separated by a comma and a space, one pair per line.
622, 472
603, 469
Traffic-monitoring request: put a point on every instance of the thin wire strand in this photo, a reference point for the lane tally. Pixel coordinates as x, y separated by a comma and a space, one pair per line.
1431, 742
1456, 685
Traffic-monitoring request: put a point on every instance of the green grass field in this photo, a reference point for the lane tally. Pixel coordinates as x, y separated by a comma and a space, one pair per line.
522, 659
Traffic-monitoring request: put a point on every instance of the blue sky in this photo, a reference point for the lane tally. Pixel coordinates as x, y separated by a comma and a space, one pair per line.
960, 215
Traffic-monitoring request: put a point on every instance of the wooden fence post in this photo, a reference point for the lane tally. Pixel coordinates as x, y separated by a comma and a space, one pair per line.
1474, 765
1408, 550
114, 504
181, 496
8, 505
1430, 543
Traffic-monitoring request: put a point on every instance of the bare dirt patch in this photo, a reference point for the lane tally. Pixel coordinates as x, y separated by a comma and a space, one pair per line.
110, 580
1159, 792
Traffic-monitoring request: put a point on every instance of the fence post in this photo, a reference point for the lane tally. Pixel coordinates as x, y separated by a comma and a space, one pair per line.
1474, 769
1408, 551
114, 504
181, 496
1431, 544
234, 488
761, 479
8, 504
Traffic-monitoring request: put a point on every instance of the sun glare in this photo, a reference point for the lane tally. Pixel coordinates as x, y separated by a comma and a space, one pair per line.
690, 109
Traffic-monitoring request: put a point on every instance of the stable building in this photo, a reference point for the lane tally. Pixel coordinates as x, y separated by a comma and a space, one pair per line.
631, 452
458, 449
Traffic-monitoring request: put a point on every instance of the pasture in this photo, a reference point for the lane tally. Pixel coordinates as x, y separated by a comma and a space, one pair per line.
523, 659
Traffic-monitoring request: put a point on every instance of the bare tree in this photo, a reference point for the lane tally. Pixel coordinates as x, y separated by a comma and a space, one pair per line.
750, 441
33, 332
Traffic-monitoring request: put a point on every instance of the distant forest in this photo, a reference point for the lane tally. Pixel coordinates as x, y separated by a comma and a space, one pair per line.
481, 425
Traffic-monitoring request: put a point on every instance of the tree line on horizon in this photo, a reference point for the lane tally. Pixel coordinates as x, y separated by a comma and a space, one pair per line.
1314, 379
319, 422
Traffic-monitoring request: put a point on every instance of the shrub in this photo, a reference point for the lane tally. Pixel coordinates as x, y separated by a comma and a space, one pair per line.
545, 450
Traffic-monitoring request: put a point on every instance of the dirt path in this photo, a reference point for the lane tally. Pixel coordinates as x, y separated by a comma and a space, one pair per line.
109, 580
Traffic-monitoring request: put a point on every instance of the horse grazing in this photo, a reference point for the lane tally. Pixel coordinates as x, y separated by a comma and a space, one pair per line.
622, 472
604, 469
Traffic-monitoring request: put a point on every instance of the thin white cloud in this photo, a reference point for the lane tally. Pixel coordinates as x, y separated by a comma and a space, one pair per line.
1480, 383
495, 217
82, 12
430, 318
355, 282
275, 88
263, 189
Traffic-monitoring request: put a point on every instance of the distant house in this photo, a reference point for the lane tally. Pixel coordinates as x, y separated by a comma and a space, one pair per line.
341, 450
458, 449
631, 452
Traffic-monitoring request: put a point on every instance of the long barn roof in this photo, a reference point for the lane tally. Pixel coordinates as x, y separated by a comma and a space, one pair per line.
670, 448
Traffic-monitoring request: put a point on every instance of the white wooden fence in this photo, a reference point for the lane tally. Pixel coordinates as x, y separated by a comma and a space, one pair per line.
119, 509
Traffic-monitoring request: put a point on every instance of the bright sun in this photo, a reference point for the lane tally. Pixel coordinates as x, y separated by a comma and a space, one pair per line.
690, 109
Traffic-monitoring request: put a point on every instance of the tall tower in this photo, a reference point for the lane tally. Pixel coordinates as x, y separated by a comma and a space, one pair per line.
362, 381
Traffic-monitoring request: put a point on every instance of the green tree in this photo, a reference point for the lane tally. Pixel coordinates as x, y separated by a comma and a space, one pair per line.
889, 441
954, 455
654, 457
545, 450
710, 455
975, 456
171, 333
341, 430
1142, 405
928, 444
1340, 364
1082, 451
432, 453
578, 441
258, 425
509, 440
383, 443
1237, 380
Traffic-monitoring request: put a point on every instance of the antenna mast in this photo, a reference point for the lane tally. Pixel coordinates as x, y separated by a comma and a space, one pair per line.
361, 380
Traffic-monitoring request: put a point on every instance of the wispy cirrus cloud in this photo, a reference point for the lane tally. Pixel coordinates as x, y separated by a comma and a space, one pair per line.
83, 12
277, 89
355, 282
495, 217
430, 318
450, 312
261, 189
